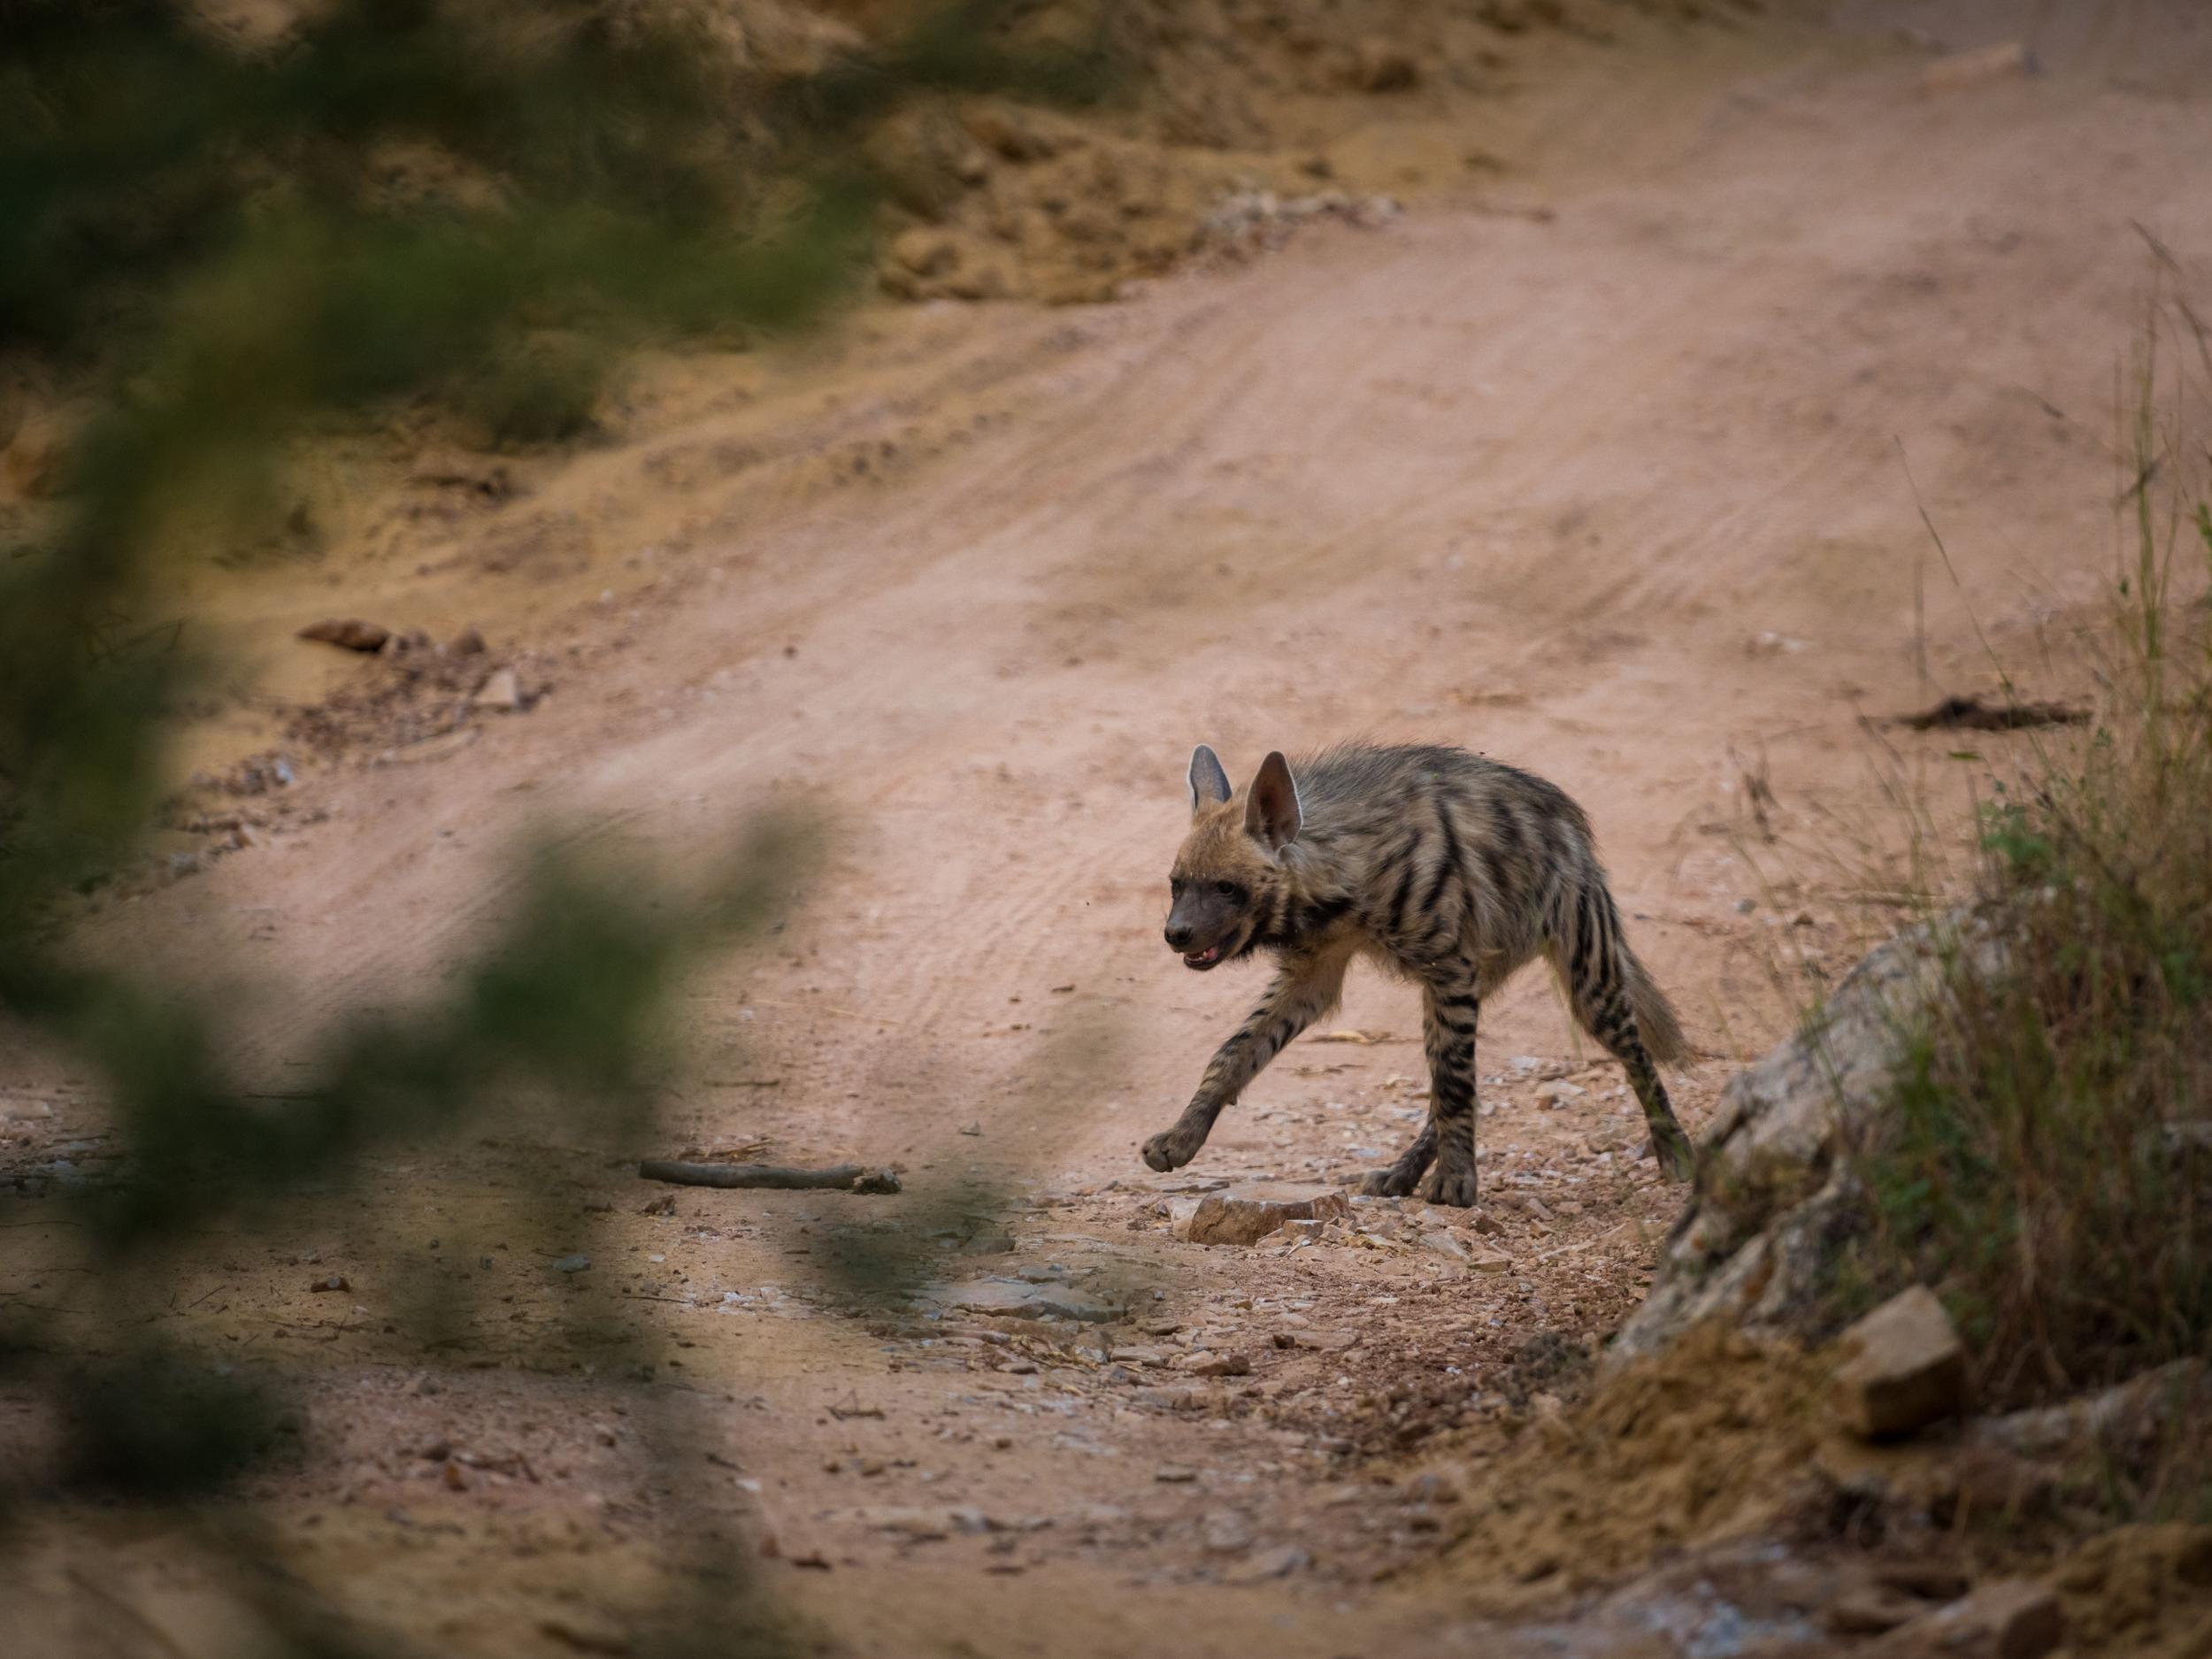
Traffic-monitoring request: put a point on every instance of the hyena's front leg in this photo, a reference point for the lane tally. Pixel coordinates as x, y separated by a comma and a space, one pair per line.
1303, 990
1450, 1007
1403, 1176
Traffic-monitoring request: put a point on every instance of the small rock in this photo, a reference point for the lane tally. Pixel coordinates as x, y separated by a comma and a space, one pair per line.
1170, 1400
1989, 63
1008, 134
1380, 66
2013, 1619
970, 165
501, 693
335, 1281
350, 633
1231, 1218
1175, 1474
454, 1479
926, 253
1225, 1532
1488, 1260
798, 1550
576, 1264
1558, 1092
918, 1525
1446, 1244
1207, 1363
1907, 1367
468, 643
1178, 1211
989, 283
1141, 1354
1278, 1562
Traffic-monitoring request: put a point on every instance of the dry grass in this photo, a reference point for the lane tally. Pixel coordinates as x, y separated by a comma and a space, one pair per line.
2049, 1164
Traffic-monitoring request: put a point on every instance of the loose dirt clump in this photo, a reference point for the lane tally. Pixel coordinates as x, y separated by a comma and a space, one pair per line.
1708, 1443
417, 691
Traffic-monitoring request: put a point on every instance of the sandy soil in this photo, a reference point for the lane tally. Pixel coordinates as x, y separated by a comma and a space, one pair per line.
1617, 490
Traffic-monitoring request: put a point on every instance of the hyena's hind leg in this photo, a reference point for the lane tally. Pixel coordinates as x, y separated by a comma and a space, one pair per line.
1609, 988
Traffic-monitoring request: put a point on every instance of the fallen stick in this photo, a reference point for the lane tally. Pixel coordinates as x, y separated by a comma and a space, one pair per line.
852, 1178
1971, 714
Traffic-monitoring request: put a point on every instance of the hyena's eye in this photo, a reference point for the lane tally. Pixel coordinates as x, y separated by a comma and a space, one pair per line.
1227, 889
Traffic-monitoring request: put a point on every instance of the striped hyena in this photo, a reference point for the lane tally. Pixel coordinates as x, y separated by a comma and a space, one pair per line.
1449, 869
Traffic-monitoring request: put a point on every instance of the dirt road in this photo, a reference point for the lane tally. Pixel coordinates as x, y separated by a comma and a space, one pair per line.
1603, 472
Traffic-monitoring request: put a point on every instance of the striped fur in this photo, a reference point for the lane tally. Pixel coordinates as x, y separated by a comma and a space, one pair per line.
1453, 870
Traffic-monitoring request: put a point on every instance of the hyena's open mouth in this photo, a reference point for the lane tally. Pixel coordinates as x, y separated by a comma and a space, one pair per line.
1201, 960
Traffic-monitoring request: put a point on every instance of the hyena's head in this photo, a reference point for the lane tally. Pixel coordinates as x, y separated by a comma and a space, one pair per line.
1228, 873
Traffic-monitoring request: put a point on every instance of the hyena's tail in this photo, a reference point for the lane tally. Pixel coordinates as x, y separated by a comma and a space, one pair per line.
1596, 965
1656, 1020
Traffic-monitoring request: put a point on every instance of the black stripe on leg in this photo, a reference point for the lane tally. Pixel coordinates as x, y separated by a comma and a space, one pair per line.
1452, 1089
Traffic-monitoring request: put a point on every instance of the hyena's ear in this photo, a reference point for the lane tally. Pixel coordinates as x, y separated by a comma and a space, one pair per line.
1271, 812
1208, 784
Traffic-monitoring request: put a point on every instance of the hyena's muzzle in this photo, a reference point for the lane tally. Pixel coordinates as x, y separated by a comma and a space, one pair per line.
1206, 927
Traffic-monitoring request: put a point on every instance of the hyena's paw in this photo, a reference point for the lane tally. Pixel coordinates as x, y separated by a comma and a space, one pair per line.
1171, 1148
1459, 1189
1397, 1181
1677, 1156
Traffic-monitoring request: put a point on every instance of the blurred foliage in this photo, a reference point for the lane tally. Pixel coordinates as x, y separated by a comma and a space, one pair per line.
214, 241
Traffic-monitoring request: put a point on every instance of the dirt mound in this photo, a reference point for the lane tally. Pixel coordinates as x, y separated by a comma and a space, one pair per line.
1708, 1442
1215, 103
1205, 105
